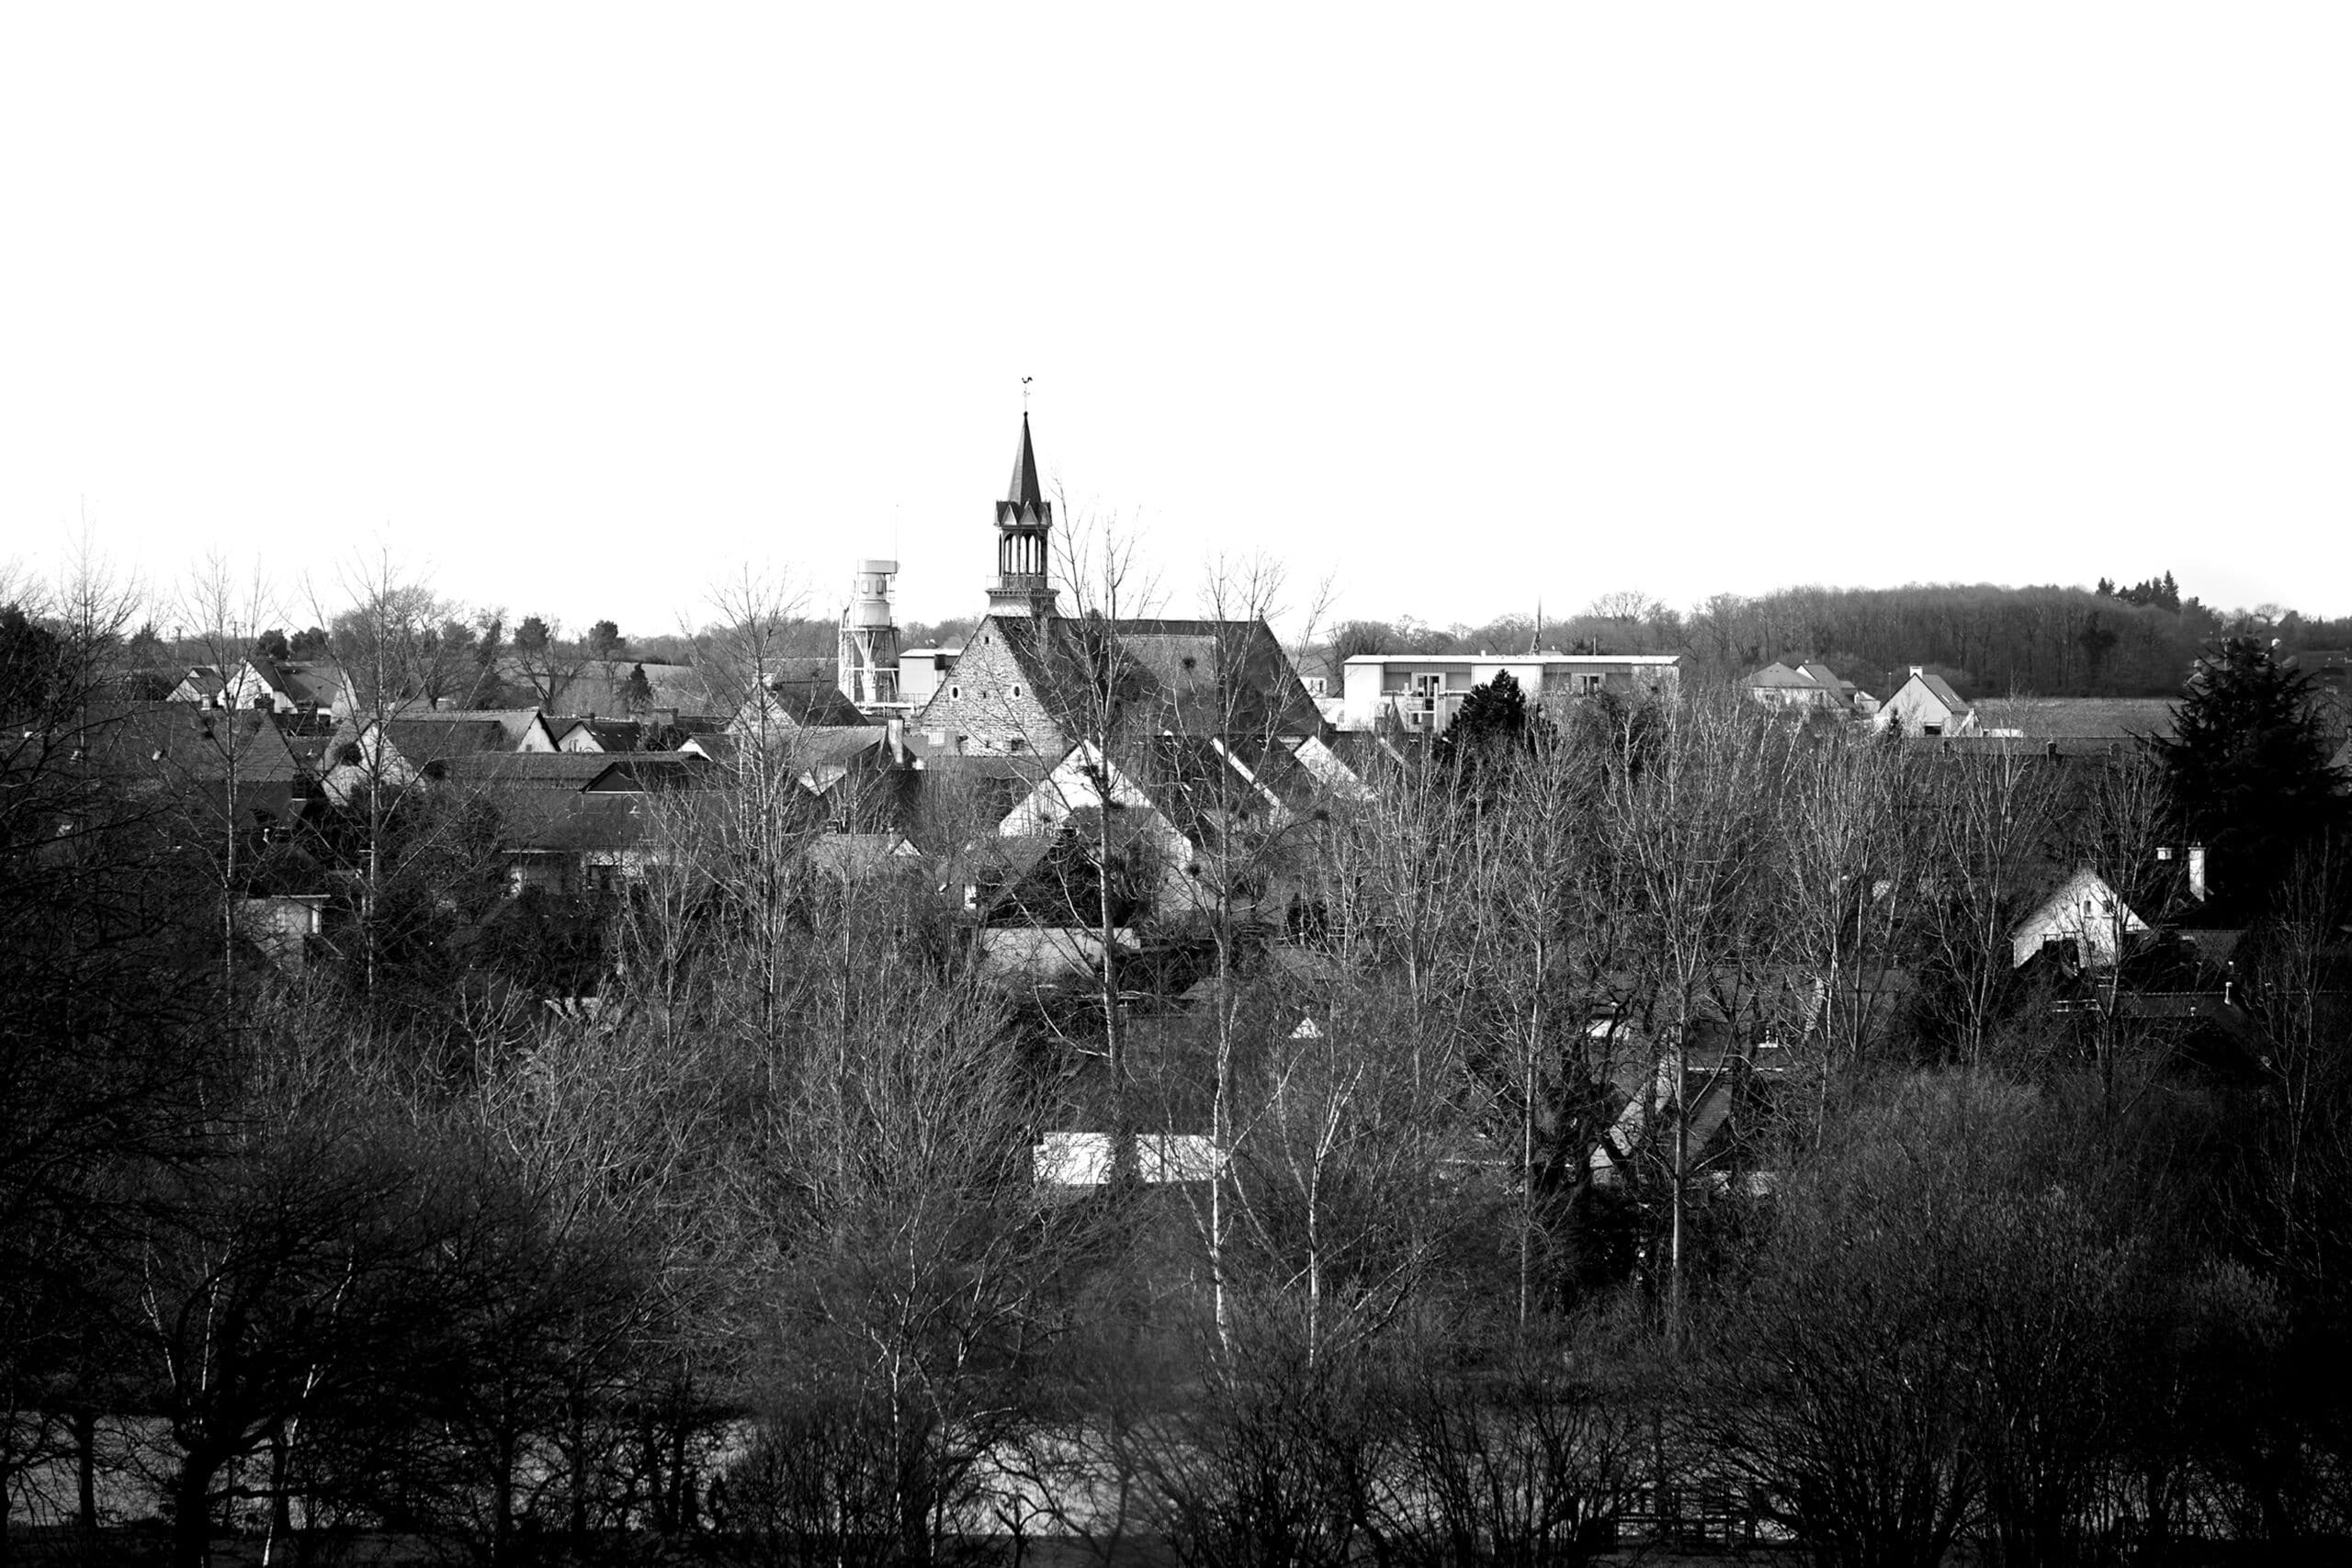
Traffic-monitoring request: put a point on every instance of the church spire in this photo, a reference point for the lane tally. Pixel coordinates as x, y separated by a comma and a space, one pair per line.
1024, 525
1025, 492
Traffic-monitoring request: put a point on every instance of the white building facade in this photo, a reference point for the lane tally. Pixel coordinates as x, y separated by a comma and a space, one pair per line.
1422, 692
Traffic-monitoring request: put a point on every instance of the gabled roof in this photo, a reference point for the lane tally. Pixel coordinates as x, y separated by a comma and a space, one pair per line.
314, 683
537, 821
1196, 784
175, 742
1942, 690
802, 694
568, 771
606, 734
642, 773
438, 736
1191, 676
1275, 769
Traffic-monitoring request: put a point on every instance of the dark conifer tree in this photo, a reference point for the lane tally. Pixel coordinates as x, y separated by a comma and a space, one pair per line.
2247, 773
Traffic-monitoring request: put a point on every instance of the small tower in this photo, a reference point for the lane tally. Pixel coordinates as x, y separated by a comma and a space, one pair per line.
1025, 525
868, 670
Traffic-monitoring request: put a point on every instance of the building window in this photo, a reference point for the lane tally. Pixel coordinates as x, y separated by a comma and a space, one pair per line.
1016, 691
955, 693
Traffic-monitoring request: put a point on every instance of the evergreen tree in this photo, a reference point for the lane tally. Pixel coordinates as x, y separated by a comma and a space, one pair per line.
1492, 723
2246, 773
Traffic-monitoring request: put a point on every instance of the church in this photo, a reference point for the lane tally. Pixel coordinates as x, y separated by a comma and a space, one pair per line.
1031, 678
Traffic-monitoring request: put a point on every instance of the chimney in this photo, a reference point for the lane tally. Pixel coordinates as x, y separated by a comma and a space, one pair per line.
2196, 871
894, 734
1918, 669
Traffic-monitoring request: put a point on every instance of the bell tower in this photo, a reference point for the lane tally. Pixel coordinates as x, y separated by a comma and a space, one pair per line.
1024, 526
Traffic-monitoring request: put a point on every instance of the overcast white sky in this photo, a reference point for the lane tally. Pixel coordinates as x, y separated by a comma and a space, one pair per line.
578, 308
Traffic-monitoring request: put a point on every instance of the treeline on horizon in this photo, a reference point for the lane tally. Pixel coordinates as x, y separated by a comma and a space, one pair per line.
1987, 639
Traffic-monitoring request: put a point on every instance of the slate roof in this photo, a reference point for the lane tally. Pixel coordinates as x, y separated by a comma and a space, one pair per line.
1192, 676
2075, 718
189, 754
609, 734
540, 821
1277, 769
642, 773
317, 684
173, 742
805, 693
439, 737
1942, 690
568, 771
1024, 492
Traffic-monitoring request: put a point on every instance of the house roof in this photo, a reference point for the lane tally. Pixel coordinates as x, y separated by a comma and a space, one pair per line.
2075, 718
1940, 688
609, 734
566, 771
641, 772
543, 822
1192, 676
438, 736
315, 682
175, 742
1275, 767
804, 693
854, 857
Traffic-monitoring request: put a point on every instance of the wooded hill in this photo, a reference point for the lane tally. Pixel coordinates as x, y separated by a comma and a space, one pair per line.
1987, 639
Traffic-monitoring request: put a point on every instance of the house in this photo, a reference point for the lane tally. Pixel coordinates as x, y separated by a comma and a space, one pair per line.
1420, 692
594, 734
202, 686
393, 752
228, 770
282, 925
286, 685
1811, 687
922, 672
568, 843
799, 694
1925, 704
1706, 1100
521, 729
1085, 1159
2084, 911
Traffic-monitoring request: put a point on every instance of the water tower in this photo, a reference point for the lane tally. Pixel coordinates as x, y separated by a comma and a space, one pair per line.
868, 675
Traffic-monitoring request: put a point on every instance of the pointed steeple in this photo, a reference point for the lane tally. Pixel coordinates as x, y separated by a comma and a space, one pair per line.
1024, 525
1025, 492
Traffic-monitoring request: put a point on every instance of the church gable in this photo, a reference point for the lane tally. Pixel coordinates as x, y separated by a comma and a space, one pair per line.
992, 697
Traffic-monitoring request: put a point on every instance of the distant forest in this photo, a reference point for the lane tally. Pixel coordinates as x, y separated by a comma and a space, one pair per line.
1987, 640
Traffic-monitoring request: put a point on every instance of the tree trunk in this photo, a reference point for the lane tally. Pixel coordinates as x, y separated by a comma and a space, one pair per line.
192, 1513
85, 1478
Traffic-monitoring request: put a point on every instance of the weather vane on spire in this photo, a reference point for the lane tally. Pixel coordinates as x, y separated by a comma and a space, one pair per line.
1024, 395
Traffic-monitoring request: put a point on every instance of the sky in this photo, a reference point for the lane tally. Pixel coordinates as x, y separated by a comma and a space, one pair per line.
578, 310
